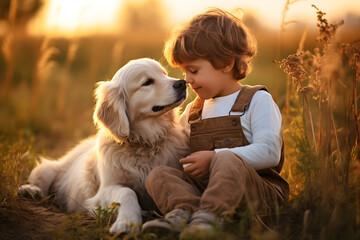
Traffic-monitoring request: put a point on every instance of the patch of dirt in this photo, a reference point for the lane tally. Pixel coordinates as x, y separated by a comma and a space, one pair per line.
29, 219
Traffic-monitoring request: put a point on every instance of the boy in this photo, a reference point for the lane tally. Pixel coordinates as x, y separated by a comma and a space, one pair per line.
236, 146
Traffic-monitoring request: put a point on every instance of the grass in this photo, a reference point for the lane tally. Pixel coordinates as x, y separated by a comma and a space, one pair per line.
325, 179
321, 128
16, 159
80, 226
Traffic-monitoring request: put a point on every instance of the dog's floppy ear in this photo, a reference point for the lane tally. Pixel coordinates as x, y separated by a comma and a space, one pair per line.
110, 110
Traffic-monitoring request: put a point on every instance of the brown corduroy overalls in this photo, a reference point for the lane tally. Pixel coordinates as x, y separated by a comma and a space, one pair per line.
231, 180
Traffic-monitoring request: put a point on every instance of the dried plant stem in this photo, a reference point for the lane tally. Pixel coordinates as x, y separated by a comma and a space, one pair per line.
71, 53
355, 99
34, 103
333, 124
13, 12
8, 49
62, 89
287, 96
43, 66
278, 51
307, 106
287, 5
335, 133
357, 133
358, 210
305, 224
302, 41
320, 126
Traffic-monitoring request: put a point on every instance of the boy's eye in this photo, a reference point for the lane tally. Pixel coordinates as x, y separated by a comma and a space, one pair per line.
148, 82
194, 71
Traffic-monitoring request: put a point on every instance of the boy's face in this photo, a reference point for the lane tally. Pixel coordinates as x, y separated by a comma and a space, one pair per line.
207, 81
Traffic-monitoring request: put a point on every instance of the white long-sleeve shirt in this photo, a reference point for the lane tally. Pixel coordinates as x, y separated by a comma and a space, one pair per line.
261, 124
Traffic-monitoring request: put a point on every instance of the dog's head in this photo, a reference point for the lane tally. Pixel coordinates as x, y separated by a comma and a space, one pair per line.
139, 91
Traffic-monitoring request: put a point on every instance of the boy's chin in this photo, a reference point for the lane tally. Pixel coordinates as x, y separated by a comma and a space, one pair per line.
202, 95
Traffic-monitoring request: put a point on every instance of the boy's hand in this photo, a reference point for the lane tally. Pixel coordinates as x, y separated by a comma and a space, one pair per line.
197, 164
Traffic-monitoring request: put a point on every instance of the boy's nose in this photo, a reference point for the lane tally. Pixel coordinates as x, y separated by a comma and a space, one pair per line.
189, 80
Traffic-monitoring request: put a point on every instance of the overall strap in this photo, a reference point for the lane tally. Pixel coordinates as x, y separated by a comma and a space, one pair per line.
241, 104
243, 100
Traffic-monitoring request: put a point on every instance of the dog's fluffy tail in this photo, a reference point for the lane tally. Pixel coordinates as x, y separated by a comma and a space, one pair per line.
43, 174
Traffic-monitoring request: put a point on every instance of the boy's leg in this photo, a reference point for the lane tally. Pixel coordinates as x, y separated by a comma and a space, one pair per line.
176, 196
233, 181
172, 189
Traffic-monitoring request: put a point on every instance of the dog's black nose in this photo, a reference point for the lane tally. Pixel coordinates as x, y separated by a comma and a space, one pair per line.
180, 84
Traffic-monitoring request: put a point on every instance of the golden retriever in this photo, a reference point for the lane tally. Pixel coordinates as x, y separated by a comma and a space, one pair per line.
137, 131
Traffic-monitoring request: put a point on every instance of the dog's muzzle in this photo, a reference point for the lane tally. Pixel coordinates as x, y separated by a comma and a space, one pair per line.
180, 85
180, 88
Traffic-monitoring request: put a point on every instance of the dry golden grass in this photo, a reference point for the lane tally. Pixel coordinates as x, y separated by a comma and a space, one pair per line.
47, 108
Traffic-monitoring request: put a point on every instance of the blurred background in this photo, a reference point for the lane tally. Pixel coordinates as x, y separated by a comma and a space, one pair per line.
54, 51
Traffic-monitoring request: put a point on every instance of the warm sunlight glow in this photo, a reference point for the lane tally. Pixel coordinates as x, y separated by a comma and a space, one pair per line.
69, 17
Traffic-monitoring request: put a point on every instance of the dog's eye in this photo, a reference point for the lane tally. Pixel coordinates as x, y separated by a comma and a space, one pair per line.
148, 82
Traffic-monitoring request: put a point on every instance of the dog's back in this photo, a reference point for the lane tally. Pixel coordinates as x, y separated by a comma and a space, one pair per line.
73, 178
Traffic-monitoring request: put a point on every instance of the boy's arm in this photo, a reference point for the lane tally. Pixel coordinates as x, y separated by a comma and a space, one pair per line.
263, 119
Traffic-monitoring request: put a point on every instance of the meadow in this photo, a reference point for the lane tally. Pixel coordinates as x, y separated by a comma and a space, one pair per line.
46, 106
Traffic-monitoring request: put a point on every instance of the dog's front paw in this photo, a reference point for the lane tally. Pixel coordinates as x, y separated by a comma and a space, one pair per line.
92, 205
30, 191
127, 221
125, 227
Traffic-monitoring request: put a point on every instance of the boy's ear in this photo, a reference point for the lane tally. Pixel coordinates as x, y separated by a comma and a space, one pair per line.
230, 66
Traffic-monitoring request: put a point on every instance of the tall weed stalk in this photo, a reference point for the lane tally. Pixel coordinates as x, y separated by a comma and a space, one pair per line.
61, 96
324, 133
43, 68
283, 25
8, 50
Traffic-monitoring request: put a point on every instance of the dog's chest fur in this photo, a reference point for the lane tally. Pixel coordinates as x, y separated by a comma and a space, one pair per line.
132, 162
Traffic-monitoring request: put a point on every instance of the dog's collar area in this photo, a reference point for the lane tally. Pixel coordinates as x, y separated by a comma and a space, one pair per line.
138, 142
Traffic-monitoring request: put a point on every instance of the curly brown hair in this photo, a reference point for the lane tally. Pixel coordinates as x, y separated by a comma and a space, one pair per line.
215, 35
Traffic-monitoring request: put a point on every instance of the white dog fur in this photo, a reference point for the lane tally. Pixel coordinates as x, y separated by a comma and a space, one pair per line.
137, 131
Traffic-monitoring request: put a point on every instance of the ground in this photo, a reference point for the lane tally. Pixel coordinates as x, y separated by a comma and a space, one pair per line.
29, 219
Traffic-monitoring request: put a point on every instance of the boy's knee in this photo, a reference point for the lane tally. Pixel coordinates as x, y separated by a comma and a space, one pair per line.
156, 175
224, 154
227, 159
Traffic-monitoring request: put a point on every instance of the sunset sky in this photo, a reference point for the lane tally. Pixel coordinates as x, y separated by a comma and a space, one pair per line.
69, 17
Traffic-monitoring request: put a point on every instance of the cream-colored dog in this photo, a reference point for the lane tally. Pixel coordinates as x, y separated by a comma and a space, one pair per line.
137, 131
